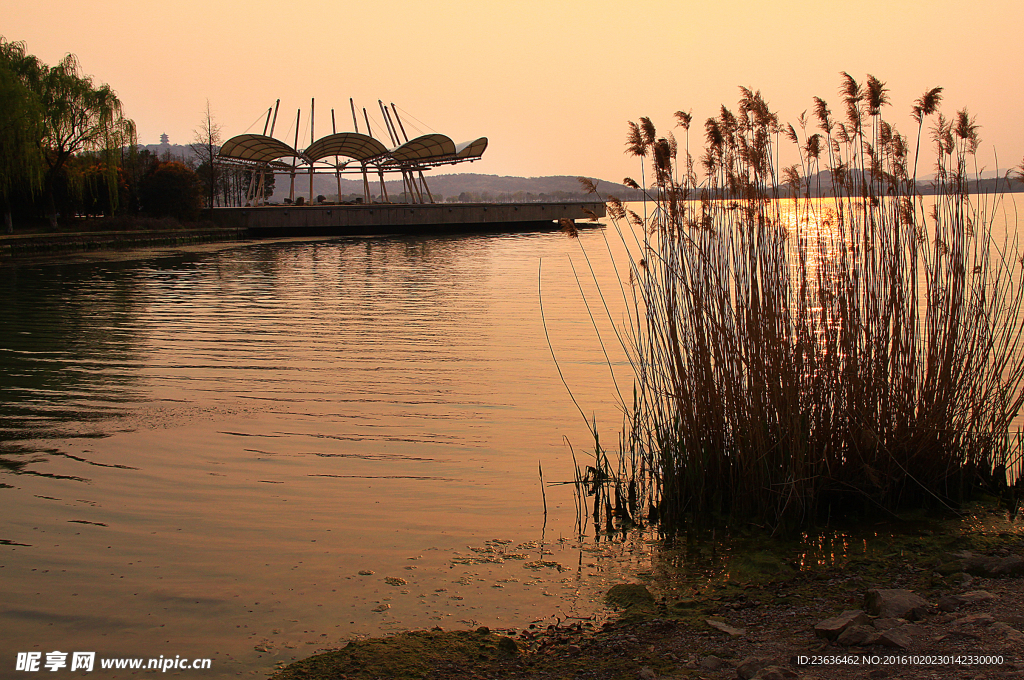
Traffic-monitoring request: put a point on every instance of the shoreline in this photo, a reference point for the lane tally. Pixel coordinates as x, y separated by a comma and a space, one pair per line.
17, 248
943, 593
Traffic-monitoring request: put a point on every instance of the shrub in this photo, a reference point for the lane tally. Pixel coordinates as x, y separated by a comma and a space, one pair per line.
171, 189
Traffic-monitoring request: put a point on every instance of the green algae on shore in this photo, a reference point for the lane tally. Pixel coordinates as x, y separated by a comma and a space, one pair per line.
770, 594
416, 654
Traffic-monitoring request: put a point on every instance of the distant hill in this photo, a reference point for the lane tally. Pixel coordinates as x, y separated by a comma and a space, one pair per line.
180, 152
822, 185
471, 186
476, 187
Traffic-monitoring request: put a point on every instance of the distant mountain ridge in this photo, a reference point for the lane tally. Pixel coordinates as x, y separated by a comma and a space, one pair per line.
482, 187
823, 184
485, 187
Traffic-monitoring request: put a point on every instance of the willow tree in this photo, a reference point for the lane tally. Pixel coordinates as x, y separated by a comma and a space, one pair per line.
21, 162
60, 113
79, 117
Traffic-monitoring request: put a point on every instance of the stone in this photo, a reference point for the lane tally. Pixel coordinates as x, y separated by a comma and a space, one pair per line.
895, 603
857, 636
1008, 631
982, 565
977, 597
894, 637
750, 666
647, 674
886, 624
626, 595
725, 628
950, 603
975, 620
830, 629
508, 646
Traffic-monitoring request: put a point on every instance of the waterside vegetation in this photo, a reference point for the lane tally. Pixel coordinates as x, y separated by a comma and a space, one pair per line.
800, 360
68, 154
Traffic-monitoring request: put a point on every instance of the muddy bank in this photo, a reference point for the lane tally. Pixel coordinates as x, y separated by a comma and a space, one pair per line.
923, 601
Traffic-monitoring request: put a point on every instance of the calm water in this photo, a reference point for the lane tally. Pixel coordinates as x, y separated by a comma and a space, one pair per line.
256, 452
200, 454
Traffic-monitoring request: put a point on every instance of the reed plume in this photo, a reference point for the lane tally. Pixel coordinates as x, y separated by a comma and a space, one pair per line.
799, 358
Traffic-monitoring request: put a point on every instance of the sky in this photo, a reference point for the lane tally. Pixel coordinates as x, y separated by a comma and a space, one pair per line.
550, 83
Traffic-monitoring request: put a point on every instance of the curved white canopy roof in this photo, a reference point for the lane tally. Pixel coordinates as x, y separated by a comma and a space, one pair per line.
422, 151
349, 144
257, 148
473, 149
424, 148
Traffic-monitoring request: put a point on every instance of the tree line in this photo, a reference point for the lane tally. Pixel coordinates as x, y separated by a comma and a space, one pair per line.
68, 152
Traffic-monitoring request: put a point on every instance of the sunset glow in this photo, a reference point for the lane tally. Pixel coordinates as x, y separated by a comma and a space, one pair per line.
550, 84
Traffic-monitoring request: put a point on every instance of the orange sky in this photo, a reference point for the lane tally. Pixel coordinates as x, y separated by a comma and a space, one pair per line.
551, 83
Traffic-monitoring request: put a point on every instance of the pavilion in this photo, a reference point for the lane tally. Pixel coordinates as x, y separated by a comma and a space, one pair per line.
348, 153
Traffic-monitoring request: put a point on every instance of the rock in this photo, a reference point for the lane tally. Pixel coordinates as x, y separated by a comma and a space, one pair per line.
725, 628
857, 636
646, 674
894, 637
1008, 631
895, 603
886, 624
977, 597
982, 565
975, 620
508, 646
626, 595
950, 603
831, 628
750, 666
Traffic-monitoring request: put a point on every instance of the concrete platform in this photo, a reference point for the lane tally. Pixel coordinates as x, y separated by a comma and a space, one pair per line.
392, 218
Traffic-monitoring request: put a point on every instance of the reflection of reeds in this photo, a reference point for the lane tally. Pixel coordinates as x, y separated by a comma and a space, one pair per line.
799, 358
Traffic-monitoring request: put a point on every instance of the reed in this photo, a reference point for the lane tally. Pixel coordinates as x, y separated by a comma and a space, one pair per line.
807, 344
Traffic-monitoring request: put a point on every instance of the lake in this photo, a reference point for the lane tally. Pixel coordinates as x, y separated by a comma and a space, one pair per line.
255, 451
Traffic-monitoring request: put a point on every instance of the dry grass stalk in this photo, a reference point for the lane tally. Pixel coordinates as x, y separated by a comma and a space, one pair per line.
798, 358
